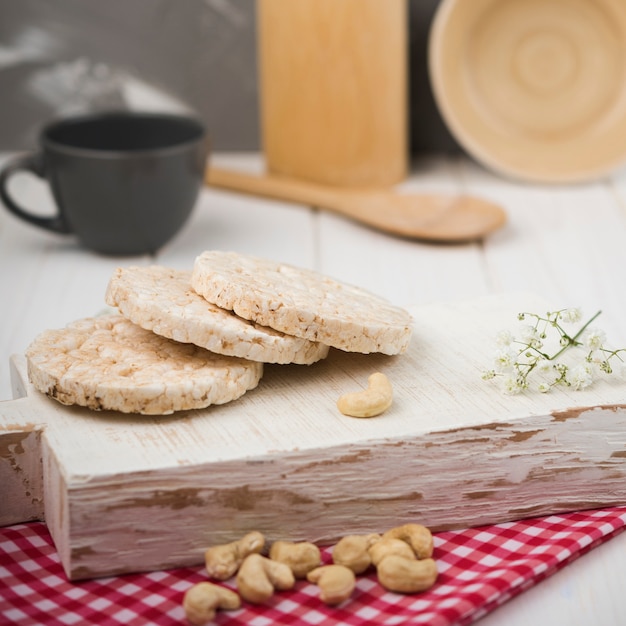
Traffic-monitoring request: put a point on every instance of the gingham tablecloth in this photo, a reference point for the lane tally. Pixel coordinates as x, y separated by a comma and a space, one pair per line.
480, 569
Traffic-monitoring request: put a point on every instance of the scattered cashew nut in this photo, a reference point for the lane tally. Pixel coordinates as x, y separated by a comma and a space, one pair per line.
401, 555
416, 535
203, 599
353, 551
370, 402
397, 573
388, 546
301, 556
336, 583
223, 561
259, 576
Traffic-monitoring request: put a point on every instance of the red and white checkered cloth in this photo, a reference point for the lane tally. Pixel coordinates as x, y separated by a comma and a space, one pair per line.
480, 569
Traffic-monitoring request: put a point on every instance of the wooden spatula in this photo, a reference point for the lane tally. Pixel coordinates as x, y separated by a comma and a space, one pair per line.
428, 217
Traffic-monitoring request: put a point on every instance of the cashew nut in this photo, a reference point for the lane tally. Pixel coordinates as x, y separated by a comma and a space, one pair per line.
370, 402
336, 582
203, 599
417, 536
388, 546
397, 573
352, 551
259, 576
223, 561
301, 557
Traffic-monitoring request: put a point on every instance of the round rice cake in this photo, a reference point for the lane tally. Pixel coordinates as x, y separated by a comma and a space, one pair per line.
302, 302
161, 299
109, 363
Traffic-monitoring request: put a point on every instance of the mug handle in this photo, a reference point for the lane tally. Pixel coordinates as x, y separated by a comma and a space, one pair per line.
32, 163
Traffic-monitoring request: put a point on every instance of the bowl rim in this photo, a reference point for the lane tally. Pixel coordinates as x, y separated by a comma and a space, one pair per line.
451, 95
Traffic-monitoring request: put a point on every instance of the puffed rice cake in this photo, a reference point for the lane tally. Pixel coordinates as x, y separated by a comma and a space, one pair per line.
161, 299
302, 302
109, 363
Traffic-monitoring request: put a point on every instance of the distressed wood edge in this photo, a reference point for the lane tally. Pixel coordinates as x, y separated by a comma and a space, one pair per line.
165, 521
21, 476
21, 470
57, 498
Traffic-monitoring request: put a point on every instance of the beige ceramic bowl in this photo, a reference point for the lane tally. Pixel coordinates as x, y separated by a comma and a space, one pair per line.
534, 89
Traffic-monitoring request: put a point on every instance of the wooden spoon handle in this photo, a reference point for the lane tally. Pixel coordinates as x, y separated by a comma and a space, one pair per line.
275, 187
432, 217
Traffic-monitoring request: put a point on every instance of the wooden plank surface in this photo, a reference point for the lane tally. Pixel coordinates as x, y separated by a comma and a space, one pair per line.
564, 243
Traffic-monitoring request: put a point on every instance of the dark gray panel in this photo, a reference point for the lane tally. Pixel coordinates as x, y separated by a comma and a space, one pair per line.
68, 55
63, 56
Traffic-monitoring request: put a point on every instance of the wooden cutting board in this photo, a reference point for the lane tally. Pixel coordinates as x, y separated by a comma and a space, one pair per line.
122, 493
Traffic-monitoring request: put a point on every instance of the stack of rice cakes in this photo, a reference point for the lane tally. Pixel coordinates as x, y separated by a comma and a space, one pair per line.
185, 340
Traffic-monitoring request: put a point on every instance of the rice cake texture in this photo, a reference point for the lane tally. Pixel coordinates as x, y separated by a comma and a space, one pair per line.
161, 299
302, 302
109, 363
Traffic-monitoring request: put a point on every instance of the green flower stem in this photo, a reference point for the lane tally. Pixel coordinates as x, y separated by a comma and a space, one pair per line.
572, 340
612, 353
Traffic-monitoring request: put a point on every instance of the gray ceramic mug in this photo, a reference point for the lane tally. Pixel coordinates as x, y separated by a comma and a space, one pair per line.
124, 183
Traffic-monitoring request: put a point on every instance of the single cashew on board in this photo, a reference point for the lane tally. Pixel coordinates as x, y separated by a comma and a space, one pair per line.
223, 561
336, 583
417, 536
259, 576
301, 556
397, 573
353, 551
203, 599
370, 402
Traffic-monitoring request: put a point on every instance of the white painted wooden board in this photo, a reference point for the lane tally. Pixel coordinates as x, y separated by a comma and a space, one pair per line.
123, 493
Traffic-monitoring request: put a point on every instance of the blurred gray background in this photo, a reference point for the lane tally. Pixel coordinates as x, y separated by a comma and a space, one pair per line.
65, 56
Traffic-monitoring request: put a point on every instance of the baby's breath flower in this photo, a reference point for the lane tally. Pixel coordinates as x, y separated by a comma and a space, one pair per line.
594, 338
605, 366
537, 348
527, 333
504, 360
581, 376
571, 316
504, 338
511, 386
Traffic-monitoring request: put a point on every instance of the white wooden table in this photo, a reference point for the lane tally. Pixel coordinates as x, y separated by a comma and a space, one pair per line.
567, 244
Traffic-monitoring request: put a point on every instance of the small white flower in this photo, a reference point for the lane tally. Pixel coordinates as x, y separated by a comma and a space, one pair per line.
510, 385
532, 353
594, 338
504, 360
571, 316
504, 338
528, 333
580, 376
